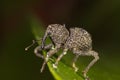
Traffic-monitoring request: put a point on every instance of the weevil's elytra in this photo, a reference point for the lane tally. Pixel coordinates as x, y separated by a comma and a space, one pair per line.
75, 39
79, 39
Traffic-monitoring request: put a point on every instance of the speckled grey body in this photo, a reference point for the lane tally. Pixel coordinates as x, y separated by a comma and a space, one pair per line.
75, 39
58, 33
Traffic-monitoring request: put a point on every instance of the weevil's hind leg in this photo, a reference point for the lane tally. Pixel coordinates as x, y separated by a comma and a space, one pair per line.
49, 54
38, 49
60, 57
73, 63
96, 58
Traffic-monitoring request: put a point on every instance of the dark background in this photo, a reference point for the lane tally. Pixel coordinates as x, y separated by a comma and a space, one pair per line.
101, 18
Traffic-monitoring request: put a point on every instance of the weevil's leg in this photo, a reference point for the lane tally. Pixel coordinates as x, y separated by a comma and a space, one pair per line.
96, 58
53, 51
73, 63
48, 47
77, 54
38, 49
49, 54
60, 57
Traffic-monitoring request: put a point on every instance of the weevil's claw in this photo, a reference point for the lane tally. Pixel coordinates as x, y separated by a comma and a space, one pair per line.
41, 70
76, 69
85, 76
42, 46
54, 66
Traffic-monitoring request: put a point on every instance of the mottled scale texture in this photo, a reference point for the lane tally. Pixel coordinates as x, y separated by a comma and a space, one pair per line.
76, 39
58, 33
79, 39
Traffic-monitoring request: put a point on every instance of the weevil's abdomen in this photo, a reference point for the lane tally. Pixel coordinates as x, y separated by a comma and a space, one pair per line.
79, 39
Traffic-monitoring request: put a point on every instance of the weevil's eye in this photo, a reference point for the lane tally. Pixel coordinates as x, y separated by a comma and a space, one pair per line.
49, 33
49, 28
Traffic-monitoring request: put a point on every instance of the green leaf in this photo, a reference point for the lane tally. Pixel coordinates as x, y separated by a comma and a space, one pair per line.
64, 71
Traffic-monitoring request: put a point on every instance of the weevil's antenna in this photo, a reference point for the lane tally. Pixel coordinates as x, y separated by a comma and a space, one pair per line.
33, 42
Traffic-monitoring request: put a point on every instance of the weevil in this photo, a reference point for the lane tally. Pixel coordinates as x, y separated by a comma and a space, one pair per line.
75, 39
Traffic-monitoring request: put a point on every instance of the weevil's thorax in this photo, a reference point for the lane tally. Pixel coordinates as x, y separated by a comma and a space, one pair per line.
79, 39
58, 33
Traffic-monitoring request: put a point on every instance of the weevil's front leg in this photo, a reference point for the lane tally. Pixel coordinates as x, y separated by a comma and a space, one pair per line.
49, 54
60, 57
53, 51
96, 58
39, 49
